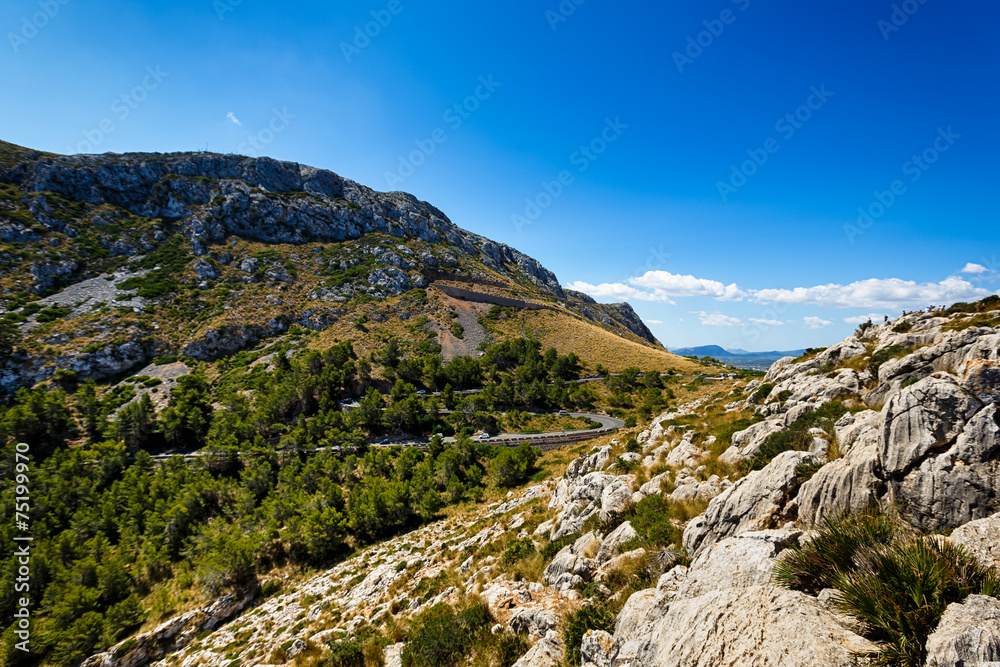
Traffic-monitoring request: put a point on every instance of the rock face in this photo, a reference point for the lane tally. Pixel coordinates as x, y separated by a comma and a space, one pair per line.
761, 625
755, 502
934, 449
211, 196
981, 538
968, 634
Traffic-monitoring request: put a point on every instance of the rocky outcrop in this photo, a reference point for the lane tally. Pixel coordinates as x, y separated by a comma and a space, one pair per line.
737, 562
968, 634
171, 635
547, 652
981, 538
934, 449
760, 625
573, 564
758, 501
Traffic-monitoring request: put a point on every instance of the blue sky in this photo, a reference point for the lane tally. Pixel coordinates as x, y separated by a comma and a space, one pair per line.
704, 160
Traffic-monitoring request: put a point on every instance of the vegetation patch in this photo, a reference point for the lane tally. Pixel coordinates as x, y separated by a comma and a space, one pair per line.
894, 579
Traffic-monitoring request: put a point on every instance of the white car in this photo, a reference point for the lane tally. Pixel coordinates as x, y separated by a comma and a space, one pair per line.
484, 436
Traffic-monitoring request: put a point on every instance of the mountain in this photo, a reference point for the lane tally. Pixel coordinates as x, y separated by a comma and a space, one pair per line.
110, 261
738, 358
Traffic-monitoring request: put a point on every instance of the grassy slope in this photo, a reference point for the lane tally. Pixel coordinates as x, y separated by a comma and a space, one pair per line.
594, 344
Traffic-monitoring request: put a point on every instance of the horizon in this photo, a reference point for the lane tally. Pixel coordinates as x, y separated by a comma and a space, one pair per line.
605, 144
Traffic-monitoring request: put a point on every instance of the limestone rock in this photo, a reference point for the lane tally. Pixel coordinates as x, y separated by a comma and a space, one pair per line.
392, 655
747, 442
599, 648
968, 634
755, 502
547, 652
763, 626
534, 621
611, 545
737, 562
981, 538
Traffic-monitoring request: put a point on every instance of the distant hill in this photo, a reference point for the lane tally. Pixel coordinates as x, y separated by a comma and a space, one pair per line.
738, 358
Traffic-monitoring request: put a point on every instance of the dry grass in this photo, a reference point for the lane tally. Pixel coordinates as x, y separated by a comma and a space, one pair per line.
592, 343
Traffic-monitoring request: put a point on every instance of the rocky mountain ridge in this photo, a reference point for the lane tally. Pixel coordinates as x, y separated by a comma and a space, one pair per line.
111, 260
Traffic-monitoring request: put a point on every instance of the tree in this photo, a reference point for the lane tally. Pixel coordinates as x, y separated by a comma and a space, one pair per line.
136, 423
186, 419
10, 336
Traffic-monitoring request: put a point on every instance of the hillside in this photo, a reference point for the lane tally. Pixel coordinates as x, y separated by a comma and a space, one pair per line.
685, 542
109, 261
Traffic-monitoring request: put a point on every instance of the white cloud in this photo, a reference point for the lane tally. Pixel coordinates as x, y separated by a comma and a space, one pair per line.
717, 319
859, 319
617, 291
672, 284
654, 322
891, 294
888, 294
231, 116
816, 322
974, 268
770, 323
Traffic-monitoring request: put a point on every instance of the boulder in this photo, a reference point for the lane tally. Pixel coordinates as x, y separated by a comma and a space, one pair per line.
981, 538
755, 502
573, 563
849, 483
764, 626
922, 418
958, 485
616, 496
737, 562
684, 454
599, 648
392, 655
536, 621
968, 634
547, 652
611, 545
747, 442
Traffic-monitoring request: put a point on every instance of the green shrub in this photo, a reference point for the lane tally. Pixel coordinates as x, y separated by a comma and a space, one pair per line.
345, 653
518, 549
796, 436
902, 326
784, 395
901, 590
815, 565
652, 521
893, 579
762, 392
589, 617
51, 314
444, 637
